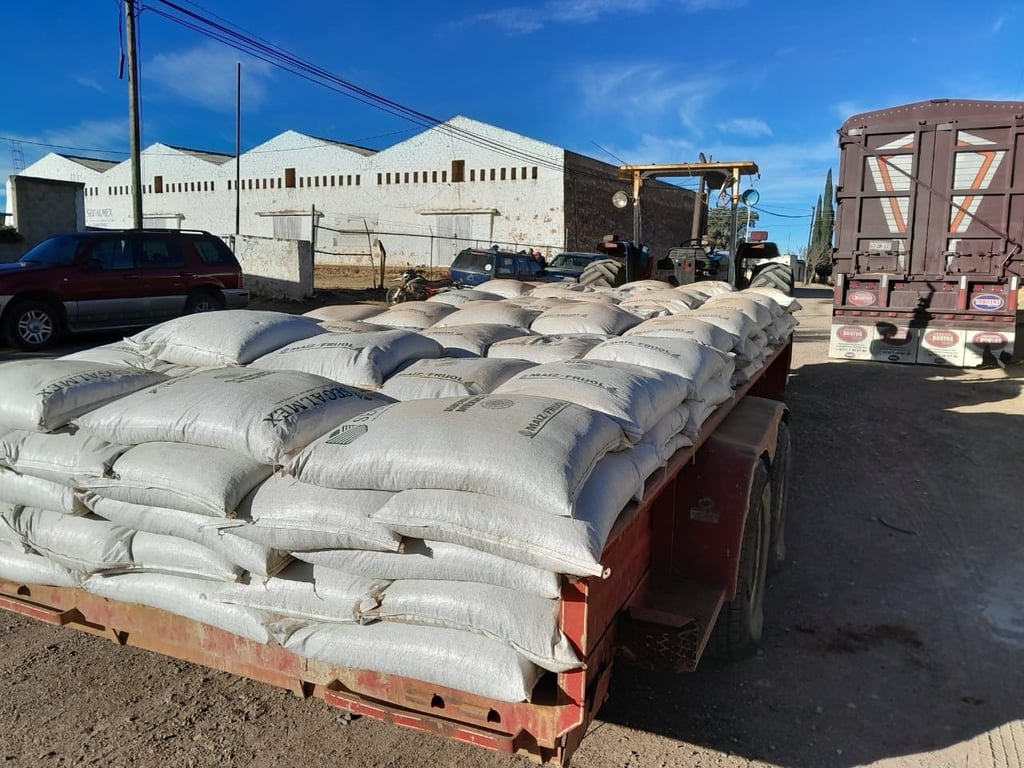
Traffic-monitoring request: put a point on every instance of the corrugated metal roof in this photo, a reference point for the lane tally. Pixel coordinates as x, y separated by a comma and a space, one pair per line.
93, 163
219, 158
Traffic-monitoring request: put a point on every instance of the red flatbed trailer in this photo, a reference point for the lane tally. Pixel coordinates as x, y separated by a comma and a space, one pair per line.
674, 563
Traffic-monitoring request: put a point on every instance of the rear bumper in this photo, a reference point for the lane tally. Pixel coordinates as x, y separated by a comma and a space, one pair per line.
236, 298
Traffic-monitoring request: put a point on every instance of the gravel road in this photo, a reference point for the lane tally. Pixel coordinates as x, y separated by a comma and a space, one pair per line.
894, 635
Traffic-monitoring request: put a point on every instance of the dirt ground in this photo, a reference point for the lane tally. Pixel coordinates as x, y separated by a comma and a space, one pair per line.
894, 635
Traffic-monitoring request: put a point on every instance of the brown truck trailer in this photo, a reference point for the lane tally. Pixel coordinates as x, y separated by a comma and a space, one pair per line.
929, 231
685, 572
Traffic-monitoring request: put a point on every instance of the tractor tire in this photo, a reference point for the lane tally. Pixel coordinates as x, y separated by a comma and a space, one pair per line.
773, 275
737, 633
606, 273
779, 478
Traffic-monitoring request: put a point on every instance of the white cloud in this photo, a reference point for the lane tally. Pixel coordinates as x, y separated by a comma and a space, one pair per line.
997, 25
521, 19
89, 82
206, 74
745, 126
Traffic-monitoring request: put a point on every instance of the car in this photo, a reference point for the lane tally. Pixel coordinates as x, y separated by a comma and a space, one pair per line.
570, 265
473, 266
103, 280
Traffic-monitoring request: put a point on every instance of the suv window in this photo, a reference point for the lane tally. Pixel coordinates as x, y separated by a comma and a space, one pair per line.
57, 251
158, 253
112, 253
213, 252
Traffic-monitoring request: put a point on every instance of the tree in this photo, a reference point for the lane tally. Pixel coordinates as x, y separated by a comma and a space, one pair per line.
819, 252
719, 224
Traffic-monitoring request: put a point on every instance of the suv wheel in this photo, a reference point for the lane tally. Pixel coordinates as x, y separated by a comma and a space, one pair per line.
203, 301
31, 325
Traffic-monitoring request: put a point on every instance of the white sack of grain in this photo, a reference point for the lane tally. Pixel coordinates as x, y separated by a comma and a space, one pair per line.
307, 591
183, 596
28, 491
527, 623
635, 396
191, 478
638, 287
666, 430
445, 657
489, 313
787, 302
355, 359
43, 395
683, 357
685, 326
451, 377
714, 287
414, 315
265, 415
548, 449
717, 390
122, 353
574, 292
585, 317
505, 287
167, 554
229, 337
781, 329
515, 532
458, 297
30, 568
668, 301
83, 544
345, 312
215, 534
65, 457
729, 319
10, 536
758, 309
290, 515
441, 561
350, 326
471, 340
545, 349
747, 372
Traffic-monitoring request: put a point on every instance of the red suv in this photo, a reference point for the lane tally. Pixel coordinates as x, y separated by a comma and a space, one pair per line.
112, 279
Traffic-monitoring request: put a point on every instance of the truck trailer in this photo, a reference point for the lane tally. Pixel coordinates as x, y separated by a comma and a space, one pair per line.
684, 573
929, 229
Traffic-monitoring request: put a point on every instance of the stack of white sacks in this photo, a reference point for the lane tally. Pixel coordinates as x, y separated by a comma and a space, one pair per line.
400, 490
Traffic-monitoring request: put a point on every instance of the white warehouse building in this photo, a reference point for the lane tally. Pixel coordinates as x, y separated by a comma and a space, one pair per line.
461, 183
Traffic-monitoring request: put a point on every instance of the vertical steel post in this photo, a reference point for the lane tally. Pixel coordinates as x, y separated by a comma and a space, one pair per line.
238, 145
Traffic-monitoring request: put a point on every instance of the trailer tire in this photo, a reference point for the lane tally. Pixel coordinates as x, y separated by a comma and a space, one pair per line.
608, 273
773, 275
737, 632
779, 475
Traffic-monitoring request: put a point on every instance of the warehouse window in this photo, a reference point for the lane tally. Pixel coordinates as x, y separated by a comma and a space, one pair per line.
492, 174
213, 186
289, 178
524, 173
357, 179
406, 179
387, 178
535, 171
433, 176
348, 180
444, 176
158, 184
230, 185
458, 170
513, 174
325, 181
309, 182
332, 180
472, 174
502, 174
316, 181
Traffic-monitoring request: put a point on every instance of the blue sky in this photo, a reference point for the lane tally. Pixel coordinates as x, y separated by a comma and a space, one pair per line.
636, 81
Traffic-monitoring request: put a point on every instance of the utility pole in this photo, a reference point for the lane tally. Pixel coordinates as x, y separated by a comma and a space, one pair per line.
238, 146
133, 113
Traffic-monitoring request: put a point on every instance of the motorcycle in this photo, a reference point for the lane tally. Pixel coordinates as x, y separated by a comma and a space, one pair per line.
413, 285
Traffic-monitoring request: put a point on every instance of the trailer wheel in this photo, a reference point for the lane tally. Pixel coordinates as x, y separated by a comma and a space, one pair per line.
738, 629
779, 474
773, 275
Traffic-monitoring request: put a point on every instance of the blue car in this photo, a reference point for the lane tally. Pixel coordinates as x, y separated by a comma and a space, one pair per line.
569, 266
474, 266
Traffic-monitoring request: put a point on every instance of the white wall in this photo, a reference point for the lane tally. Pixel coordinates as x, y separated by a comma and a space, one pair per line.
274, 269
